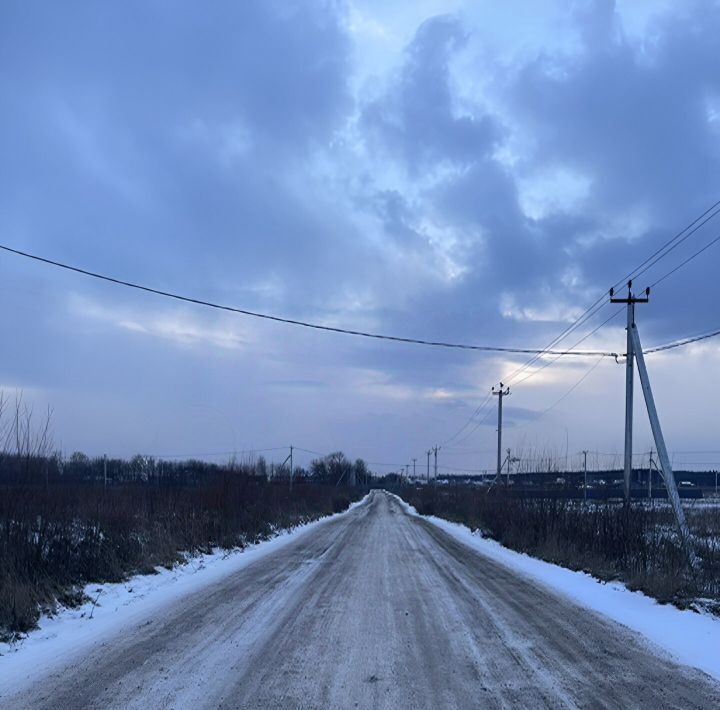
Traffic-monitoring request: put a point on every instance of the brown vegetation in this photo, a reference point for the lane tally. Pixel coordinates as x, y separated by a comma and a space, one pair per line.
636, 544
57, 534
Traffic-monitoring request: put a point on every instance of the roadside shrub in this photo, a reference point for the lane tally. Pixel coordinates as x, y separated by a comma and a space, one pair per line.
636, 544
57, 537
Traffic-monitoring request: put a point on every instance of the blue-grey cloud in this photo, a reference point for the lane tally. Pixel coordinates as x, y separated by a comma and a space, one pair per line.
228, 152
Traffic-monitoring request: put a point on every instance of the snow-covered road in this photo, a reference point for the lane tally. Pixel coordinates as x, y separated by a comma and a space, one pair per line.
373, 609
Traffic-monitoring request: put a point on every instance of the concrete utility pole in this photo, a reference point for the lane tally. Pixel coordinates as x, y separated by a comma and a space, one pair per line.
585, 453
630, 301
665, 467
428, 452
435, 450
282, 466
650, 466
500, 392
414, 460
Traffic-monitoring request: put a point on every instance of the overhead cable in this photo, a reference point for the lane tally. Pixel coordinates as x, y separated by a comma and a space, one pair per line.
293, 321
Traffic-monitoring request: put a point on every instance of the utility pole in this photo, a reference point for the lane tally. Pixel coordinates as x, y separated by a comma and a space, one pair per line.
507, 470
435, 450
414, 460
282, 467
635, 351
428, 452
650, 465
630, 301
500, 392
585, 453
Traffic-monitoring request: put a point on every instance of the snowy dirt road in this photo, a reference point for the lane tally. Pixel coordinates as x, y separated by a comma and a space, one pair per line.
373, 609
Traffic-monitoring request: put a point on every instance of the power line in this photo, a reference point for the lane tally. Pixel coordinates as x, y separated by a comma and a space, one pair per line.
527, 377
291, 321
217, 453
585, 375
476, 413
479, 423
682, 342
598, 305
586, 315
585, 337
710, 213
673, 243
656, 256
589, 312
683, 263
309, 451
467, 452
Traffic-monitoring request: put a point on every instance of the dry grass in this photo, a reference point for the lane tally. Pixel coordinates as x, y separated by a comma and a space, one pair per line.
635, 544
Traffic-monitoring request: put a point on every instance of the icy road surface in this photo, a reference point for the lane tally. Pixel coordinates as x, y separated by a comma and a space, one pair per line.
373, 609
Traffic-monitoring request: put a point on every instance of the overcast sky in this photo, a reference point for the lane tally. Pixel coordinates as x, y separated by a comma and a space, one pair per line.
478, 172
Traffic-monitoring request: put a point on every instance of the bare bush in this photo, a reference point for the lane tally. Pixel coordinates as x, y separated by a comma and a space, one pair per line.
62, 528
636, 544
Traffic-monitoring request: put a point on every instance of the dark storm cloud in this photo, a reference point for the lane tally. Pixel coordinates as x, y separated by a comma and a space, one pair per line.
415, 120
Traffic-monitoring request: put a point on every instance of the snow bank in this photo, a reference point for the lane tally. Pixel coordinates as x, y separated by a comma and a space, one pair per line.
691, 638
114, 606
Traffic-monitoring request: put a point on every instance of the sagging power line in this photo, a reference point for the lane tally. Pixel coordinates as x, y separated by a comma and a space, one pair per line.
292, 321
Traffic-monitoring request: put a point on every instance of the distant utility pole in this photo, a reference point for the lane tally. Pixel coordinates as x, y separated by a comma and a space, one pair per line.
435, 450
510, 461
650, 466
290, 459
428, 452
635, 352
501, 392
414, 460
585, 453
